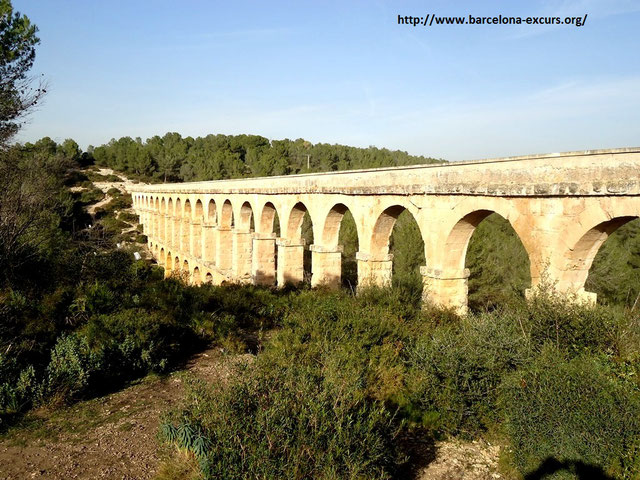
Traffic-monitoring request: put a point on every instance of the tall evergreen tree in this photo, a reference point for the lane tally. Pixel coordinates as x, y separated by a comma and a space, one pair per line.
17, 52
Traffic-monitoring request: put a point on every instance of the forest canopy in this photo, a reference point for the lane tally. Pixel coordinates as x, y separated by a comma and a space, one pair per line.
215, 157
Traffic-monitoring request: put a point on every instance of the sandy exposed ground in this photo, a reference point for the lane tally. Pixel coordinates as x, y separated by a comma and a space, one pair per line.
114, 437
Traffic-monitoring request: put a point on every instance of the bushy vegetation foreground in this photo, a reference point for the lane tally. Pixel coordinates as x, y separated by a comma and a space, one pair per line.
347, 381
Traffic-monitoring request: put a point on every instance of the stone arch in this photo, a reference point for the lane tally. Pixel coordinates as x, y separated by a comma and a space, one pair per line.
224, 246
448, 276
332, 222
294, 224
168, 264
187, 209
162, 224
264, 258
185, 273
457, 241
199, 210
267, 219
196, 276
197, 245
379, 267
379, 245
331, 239
580, 256
208, 278
212, 213
243, 243
156, 218
295, 260
244, 218
226, 215
177, 226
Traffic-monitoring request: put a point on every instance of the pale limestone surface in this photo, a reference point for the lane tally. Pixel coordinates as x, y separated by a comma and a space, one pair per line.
562, 206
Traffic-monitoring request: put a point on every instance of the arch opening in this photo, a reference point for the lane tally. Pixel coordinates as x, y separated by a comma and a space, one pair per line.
264, 268
340, 230
199, 211
226, 216
168, 265
498, 263
269, 220
396, 232
245, 222
407, 250
212, 213
608, 257
300, 229
196, 276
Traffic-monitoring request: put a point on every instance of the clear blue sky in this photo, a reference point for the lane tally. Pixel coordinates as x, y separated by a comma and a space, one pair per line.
341, 72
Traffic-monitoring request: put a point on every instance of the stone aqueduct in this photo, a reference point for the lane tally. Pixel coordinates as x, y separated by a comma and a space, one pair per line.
562, 207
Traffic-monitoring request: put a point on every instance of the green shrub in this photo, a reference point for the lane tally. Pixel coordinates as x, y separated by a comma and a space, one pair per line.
572, 411
99, 299
128, 217
119, 202
141, 239
114, 192
71, 367
285, 423
570, 327
112, 225
97, 177
75, 177
88, 197
16, 391
455, 371
137, 341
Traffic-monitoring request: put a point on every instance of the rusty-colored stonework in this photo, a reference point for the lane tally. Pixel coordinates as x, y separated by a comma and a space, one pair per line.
562, 206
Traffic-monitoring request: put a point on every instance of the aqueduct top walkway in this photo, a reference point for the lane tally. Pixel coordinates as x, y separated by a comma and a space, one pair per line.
562, 206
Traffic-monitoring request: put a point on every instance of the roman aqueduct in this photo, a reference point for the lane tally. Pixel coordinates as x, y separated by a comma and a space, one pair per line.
562, 207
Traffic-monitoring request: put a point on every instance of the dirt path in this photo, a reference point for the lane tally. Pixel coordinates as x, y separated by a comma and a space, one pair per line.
112, 437
91, 209
124, 185
457, 460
